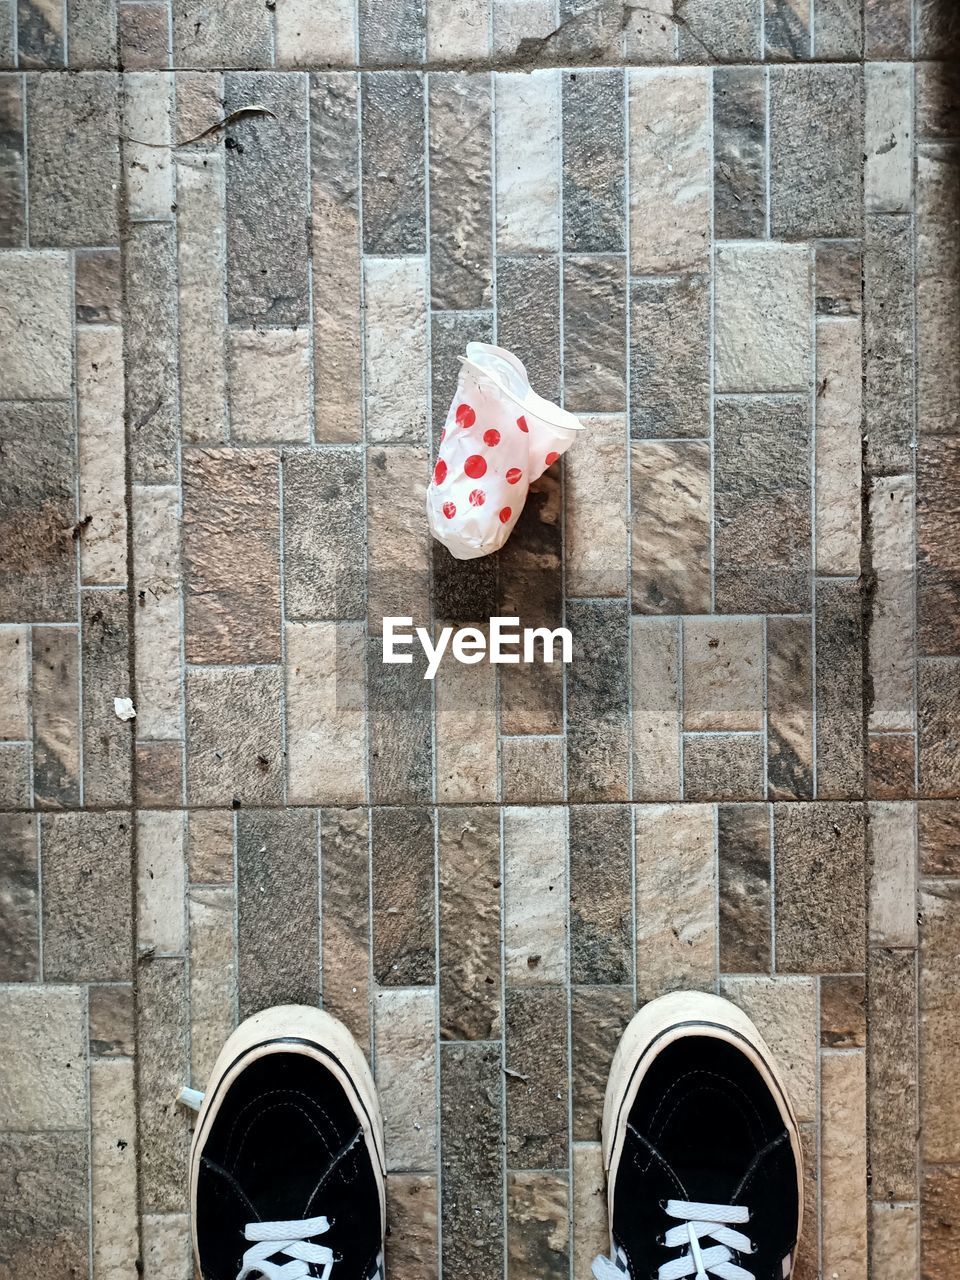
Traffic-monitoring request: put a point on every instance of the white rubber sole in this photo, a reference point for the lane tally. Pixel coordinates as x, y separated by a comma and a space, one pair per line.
660, 1023
294, 1028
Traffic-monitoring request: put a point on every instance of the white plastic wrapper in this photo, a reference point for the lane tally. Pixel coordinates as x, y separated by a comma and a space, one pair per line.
498, 438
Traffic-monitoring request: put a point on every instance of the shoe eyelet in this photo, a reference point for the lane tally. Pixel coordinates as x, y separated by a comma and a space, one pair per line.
663, 1205
659, 1240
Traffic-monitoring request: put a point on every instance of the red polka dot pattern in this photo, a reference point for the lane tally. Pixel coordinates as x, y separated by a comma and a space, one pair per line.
522, 423
449, 510
514, 475
465, 416
475, 466
439, 472
551, 458
477, 497
491, 437
505, 514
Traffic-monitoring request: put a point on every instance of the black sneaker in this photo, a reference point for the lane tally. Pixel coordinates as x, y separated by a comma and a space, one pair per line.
701, 1149
287, 1164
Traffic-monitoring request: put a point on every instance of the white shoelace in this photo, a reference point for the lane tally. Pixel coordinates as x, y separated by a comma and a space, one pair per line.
291, 1239
696, 1222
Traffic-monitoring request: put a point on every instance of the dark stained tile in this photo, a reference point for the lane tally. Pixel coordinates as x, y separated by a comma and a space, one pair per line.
399, 729
887, 28
837, 29
15, 775
461, 270
107, 740
469, 961
234, 736
392, 107
13, 216
939, 920
471, 1156
940, 1213
111, 1020
323, 534
528, 318
55, 700
789, 708
538, 1245
151, 351
839, 266
723, 766
345, 870
599, 1016
537, 1077
403, 897
670, 527
601, 909
595, 334
743, 849
938, 553
843, 1012
839, 685
888, 340
892, 1066
593, 161
48, 1226
41, 39
891, 766
19, 899
938, 837
598, 682
98, 286
786, 29
937, 100
669, 358
739, 164
938, 714
936, 30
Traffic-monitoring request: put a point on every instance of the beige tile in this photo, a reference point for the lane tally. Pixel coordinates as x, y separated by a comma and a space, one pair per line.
722, 673
892, 852
325, 675
839, 413
345, 925
676, 898
656, 708
843, 1164
43, 1043
158, 628
167, 1248
14, 683
395, 348
764, 297
785, 1012
595, 547
35, 326
532, 769
894, 1072
939, 1025
938, 289
148, 168
213, 977
55, 700
161, 876
591, 1233
938, 1225
210, 846
309, 35
888, 137
894, 1241
397, 538
535, 895
669, 198
466, 731
110, 1020
406, 1065
101, 448
270, 385
670, 527
458, 32
527, 139
843, 1011
412, 1214
649, 34
538, 1229
113, 1169
892, 631
202, 288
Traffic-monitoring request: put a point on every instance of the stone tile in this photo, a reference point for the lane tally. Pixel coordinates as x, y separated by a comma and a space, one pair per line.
113, 1168
98, 286
143, 34
838, 445
166, 1246
335, 246
838, 270
891, 766
892, 850
19, 899
761, 502
277, 951
591, 1233
35, 328
888, 128
231, 553
537, 1075
395, 350
937, 104
531, 589
528, 318
40, 34
723, 766
839, 684
411, 1244
199, 107
937, 288
938, 568
101, 448
520, 26
598, 711
843, 1012
669, 358
728, 31
538, 1234
789, 708
345, 918
13, 219
469, 904
843, 1164
161, 876
213, 977
151, 348
935, 31
598, 1018
450, 331
74, 176
147, 108
465, 731
785, 1013
110, 1020
723, 678
400, 758
938, 705
528, 171
306, 35
939, 1191
893, 1070
670, 527
44, 1058
535, 895
894, 1241
105, 645
472, 1155
809, 1247
87, 927
458, 33
938, 837
234, 736
892, 637
675, 898
392, 33
649, 33
595, 517
163, 1058
403, 897
532, 770
392, 113
592, 108
744, 863
888, 338
404, 1023
669, 203
158, 767
887, 28
325, 740
593, 32
158, 629
595, 336
763, 303
323, 534
601, 911
739, 163
15, 779
837, 29
234, 35
55, 702
267, 248
270, 385
819, 878
460, 190
939, 1107
656, 708
46, 1226
14, 683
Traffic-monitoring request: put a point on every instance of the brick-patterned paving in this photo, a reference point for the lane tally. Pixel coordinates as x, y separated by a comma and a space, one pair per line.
725, 233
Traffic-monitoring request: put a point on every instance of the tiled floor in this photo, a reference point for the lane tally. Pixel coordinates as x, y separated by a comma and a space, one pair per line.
729, 239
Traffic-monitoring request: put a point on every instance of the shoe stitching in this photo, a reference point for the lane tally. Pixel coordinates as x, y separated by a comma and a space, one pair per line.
271, 1093
699, 1071
655, 1155
279, 1106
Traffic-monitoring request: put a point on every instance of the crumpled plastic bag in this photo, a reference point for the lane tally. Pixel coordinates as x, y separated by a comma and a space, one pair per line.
499, 437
